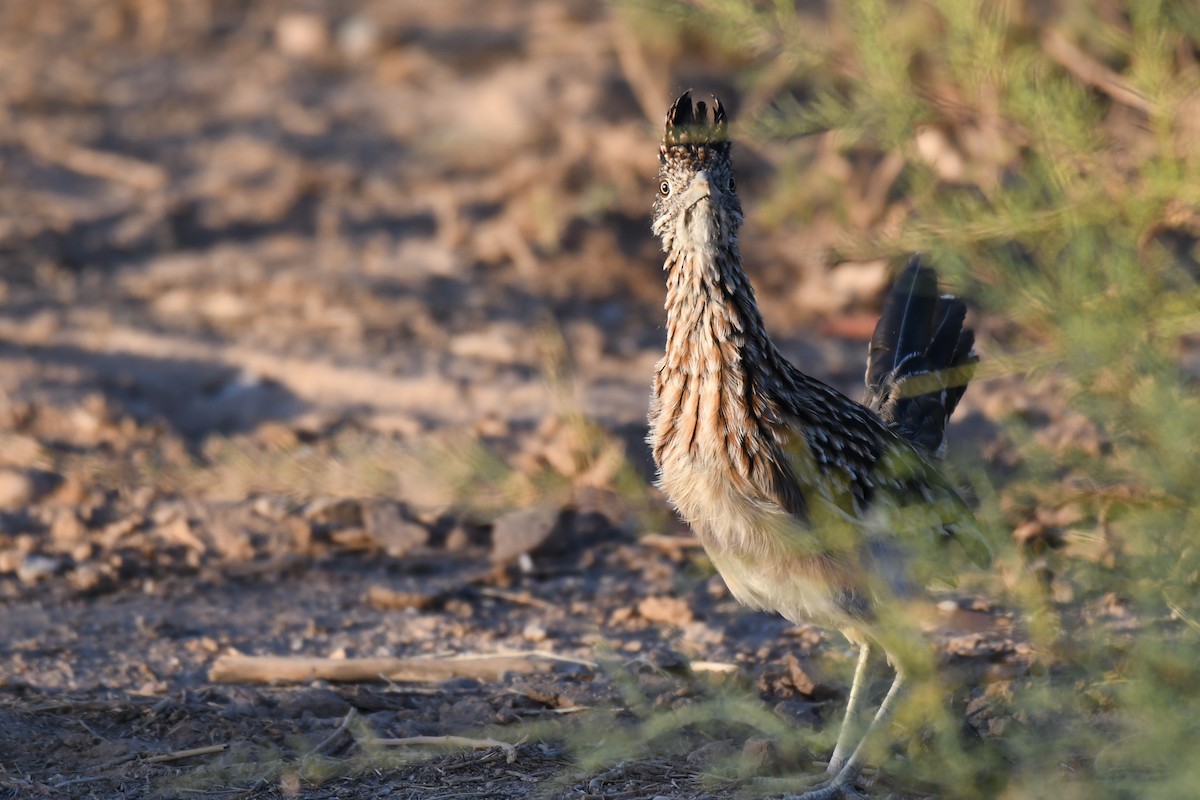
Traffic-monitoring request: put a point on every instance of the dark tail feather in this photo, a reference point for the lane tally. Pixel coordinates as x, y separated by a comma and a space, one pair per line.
920, 358
904, 326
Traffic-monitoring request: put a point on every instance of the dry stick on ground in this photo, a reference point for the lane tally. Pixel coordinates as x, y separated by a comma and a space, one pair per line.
510, 751
1092, 72
113, 167
189, 753
271, 669
521, 598
162, 757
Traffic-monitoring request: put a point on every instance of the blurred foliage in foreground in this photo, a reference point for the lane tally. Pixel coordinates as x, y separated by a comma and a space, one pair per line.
1046, 157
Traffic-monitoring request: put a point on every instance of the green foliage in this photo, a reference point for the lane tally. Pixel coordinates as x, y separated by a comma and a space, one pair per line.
1052, 172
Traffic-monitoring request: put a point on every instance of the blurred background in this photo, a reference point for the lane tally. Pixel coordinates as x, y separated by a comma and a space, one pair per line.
269, 267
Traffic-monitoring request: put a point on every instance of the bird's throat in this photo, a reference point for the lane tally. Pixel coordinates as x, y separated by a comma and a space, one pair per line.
713, 321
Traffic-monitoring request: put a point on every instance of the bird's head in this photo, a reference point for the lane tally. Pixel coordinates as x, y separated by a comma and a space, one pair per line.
697, 202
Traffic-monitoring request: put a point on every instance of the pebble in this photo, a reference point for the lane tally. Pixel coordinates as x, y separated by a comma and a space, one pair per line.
671, 610
10, 560
388, 527
321, 703
387, 598
756, 753
523, 531
17, 489
534, 632
301, 35
334, 512
67, 530
272, 507
87, 577
358, 37
35, 568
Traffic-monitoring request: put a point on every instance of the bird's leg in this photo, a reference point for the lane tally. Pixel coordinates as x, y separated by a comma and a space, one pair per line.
882, 716
842, 780
838, 759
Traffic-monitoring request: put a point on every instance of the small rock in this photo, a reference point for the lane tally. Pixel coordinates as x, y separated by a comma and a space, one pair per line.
301, 35
34, 568
277, 435
387, 525
457, 539
300, 533
334, 512
620, 614
352, 539
393, 599
997, 726
756, 754
71, 493
177, 530
141, 497
272, 507
803, 682
230, 540
88, 578
671, 610
534, 632
485, 346
167, 511
527, 531
798, 712
10, 561
358, 37
17, 489
790, 678
321, 703
548, 698
703, 634
67, 530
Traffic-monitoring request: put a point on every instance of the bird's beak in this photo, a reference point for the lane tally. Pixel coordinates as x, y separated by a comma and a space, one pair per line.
699, 189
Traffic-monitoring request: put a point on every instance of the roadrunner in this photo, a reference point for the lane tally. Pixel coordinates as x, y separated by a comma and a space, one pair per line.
808, 503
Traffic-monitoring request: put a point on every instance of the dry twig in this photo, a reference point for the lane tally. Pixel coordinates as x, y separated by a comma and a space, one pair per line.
521, 598
1067, 55
292, 669
114, 167
510, 751
189, 753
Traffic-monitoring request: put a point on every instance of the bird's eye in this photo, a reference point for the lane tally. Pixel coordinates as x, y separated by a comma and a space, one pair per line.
665, 188
732, 184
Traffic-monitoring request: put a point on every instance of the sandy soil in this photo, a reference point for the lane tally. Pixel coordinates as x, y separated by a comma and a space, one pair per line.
301, 309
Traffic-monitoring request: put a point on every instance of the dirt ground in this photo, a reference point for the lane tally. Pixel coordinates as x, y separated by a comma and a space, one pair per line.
302, 309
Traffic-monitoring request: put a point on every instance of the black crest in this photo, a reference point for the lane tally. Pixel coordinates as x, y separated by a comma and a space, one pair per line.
689, 126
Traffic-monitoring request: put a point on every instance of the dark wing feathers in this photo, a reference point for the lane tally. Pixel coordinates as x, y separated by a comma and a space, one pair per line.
920, 358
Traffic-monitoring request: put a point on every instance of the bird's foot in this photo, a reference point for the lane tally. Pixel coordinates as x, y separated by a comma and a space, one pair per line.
828, 791
840, 785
